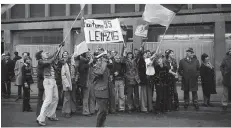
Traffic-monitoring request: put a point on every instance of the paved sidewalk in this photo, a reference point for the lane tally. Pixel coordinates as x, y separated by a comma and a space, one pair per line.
214, 98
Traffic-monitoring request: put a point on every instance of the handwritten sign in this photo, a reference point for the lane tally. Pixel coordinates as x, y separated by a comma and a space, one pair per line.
102, 31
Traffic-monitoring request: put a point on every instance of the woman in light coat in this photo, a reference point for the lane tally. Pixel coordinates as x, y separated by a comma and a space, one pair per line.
67, 86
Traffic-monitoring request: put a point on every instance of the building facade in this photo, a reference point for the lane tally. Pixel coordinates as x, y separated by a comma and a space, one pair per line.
204, 27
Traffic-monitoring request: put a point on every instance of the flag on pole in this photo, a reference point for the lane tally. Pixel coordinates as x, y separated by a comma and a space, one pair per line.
160, 14
80, 49
82, 6
142, 30
5, 7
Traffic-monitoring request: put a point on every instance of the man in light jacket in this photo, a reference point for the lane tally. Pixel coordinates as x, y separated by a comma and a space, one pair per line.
18, 74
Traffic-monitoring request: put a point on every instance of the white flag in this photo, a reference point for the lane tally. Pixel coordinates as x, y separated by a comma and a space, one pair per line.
158, 14
141, 30
80, 49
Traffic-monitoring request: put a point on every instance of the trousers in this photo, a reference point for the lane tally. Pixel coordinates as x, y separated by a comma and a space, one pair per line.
88, 101
26, 98
133, 89
102, 112
194, 97
6, 87
40, 101
51, 100
68, 103
225, 96
119, 94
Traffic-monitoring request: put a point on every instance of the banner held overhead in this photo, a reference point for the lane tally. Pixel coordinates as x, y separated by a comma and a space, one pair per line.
102, 31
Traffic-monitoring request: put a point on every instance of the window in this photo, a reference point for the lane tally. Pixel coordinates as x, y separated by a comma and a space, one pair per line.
37, 10
38, 37
75, 9
199, 6
121, 8
58, 9
226, 5
101, 8
142, 7
18, 11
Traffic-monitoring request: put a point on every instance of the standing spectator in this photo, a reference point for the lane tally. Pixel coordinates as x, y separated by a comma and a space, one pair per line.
208, 79
40, 78
51, 90
18, 74
173, 77
150, 72
58, 67
101, 91
27, 81
16, 57
140, 63
161, 80
67, 86
7, 74
189, 69
132, 81
226, 73
83, 71
112, 99
118, 72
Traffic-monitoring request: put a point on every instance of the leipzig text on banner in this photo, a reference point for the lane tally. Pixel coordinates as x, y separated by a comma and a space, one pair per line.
102, 31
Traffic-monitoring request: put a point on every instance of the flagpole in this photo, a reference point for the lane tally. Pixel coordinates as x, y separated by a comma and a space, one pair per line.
73, 24
164, 34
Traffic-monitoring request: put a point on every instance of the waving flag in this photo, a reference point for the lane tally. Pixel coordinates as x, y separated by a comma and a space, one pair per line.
80, 49
160, 14
142, 30
82, 6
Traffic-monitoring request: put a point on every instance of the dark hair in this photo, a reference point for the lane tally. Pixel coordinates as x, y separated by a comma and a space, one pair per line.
131, 54
38, 55
28, 53
16, 53
147, 51
167, 53
24, 53
204, 56
64, 52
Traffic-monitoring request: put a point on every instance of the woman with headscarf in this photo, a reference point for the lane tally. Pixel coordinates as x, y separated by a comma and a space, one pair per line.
207, 79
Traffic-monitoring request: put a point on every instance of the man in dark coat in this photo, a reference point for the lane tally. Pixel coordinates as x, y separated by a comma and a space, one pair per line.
100, 80
7, 72
226, 73
189, 69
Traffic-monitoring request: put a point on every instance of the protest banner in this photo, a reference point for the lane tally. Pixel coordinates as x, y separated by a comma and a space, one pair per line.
141, 30
102, 31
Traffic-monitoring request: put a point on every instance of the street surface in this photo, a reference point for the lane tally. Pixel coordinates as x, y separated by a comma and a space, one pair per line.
12, 116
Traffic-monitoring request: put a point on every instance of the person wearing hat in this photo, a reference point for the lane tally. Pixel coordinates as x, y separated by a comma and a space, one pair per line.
189, 69
101, 75
7, 72
226, 74
173, 77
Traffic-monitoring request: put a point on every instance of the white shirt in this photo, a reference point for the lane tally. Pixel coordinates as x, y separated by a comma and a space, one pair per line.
149, 67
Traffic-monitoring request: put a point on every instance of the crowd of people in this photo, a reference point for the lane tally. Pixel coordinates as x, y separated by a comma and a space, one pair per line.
107, 82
